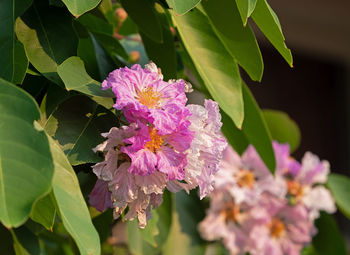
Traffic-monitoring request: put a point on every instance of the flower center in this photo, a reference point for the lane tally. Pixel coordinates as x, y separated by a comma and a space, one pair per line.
156, 140
149, 97
295, 189
276, 227
245, 178
231, 212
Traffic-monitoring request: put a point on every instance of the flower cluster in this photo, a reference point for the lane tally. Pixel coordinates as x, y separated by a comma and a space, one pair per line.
258, 213
167, 144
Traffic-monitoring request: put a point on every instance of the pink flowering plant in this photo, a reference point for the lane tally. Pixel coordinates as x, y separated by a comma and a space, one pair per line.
126, 128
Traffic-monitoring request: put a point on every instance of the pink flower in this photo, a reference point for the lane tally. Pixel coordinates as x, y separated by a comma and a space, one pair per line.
285, 231
150, 151
206, 148
303, 186
247, 177
142, 94
123, 188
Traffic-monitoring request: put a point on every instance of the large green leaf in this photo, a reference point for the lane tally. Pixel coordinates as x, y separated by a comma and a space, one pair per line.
48, 37
268, 22
238, 40
184, 238
163, 54
71, 206
214, 64
256, 130
26, 167
339, 185
79, 7
182, 6
77, 125
44, 211
329, 239
13, 59
74, 76
143, 14
282, 128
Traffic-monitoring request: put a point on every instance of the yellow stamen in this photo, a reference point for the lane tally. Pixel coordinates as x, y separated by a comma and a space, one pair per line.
295, 189
231, 212
276, 227
156, 140
245, 178
149, 97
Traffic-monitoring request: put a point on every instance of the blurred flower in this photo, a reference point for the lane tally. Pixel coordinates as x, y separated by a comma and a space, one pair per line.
121, 14
255, 212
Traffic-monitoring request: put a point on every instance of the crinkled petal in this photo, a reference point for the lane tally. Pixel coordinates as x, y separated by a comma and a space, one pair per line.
171, 163
153, 183
100, 197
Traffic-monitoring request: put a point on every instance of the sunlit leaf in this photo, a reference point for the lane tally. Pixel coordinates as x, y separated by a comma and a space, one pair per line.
238, 40
74, 76
214, 64
181, 6
268, 22
79, 7
26, 167
71, 206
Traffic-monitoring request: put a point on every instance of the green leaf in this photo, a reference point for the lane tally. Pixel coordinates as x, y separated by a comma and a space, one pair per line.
79, 7
282, 128
143, 14
77, 125
181, 6
329, 239
162, 54
96, 24
234, 136
238, 40
71, 206
111, 45
13, 59
256, 130
48, 37
26, 167
44, 211
184, 238
25, 242
339, 185
74, 76
214, 64
245, 9
267, 20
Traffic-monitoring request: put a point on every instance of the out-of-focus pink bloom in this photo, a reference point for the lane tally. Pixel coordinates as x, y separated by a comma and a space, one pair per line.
303, 185
143, 95
247, 177
285, 232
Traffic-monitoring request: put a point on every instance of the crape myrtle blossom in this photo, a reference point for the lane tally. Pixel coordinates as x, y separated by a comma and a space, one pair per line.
166, 144
141, 93
253, 211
